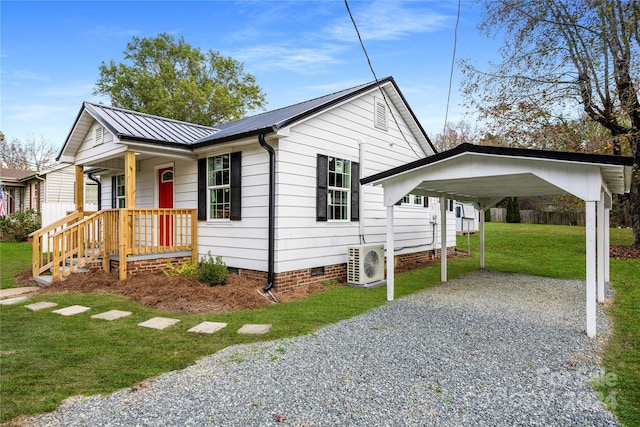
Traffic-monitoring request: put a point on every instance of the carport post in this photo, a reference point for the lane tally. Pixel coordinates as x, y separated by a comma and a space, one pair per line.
390, 254
482, 239
607, 240
443, 238
601, 250
590, 220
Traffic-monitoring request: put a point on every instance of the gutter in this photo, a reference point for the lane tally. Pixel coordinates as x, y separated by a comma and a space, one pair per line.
272, 202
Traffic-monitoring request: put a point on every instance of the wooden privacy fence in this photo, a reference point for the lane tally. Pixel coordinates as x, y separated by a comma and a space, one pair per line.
529, 216
73, 243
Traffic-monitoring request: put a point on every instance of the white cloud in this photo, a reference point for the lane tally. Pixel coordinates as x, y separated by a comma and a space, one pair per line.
386, 20
304, 60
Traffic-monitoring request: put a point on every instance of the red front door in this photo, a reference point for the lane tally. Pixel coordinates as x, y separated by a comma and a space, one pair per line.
165, 200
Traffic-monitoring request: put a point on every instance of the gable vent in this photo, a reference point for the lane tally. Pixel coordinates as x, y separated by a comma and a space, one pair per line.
98, 135
381, 121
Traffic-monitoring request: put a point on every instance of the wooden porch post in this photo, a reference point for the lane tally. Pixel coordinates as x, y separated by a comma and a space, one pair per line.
126, 220
79, 189
124, 240
194, 236
130, 179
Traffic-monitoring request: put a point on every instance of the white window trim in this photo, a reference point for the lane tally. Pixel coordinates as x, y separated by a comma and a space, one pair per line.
341, 189
209, 188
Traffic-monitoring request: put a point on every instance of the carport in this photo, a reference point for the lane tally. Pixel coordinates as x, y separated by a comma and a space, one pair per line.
485, 175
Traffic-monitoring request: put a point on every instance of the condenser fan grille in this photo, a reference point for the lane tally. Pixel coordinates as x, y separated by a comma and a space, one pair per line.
371, 263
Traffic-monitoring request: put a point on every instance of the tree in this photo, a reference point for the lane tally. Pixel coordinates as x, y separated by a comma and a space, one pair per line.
559, 57
175, 80
513, 210
455, 134
34, 153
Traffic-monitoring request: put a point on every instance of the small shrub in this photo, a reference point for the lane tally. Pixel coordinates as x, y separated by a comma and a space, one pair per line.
187, 269
212, 271
17, 226
487, 215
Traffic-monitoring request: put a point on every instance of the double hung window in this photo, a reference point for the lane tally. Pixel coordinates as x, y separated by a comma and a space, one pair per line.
338, 189
219, 186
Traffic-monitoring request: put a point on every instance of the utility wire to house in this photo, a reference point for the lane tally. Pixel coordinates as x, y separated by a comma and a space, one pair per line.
453, 60
386, 101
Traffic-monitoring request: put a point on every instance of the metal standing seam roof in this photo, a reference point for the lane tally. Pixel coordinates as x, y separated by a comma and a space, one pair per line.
135, 126
127, 124
271, 121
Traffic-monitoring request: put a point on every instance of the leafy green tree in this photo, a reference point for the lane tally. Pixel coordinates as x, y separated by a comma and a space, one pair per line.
560, 57
172, 79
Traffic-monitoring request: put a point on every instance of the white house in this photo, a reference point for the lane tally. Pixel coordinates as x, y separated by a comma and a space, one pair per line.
277, 195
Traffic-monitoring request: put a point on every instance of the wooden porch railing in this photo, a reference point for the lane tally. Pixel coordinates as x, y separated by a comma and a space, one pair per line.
42, 242
121, 232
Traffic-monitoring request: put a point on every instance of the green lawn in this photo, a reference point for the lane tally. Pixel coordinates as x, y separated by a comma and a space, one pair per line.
15, 257
44, 360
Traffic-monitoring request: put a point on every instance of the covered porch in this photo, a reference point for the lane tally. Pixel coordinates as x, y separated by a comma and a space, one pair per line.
485, 175
113, 238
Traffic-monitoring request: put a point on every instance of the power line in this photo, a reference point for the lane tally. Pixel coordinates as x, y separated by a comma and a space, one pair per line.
376, 79
453, 60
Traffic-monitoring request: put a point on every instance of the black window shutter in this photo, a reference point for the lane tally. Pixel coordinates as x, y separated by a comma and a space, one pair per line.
202, 189
114, 199
355, 191
236, 187
425, 200
321, 187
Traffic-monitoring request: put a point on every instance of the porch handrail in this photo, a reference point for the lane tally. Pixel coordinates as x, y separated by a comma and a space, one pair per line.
78, 245
42, 242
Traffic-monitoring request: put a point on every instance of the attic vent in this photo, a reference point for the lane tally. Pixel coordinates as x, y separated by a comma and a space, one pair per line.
380, 115
98, 135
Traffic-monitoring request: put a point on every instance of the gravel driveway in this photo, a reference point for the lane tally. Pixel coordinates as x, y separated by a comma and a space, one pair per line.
488, 349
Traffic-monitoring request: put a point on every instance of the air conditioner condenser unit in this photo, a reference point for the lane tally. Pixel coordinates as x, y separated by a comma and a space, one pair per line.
365, 264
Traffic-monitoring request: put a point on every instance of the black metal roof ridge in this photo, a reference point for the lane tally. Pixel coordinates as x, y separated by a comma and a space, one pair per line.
503, 151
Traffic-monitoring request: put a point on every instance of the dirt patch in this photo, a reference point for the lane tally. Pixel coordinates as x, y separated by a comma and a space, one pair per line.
625, 252
180, 294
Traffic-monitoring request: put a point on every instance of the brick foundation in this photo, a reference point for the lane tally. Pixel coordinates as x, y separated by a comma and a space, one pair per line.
148, 265
290, 280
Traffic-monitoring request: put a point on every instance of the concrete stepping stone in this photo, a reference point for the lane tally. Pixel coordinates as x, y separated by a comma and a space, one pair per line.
37, 306
72, 310
256, 329
111, 315
207, 327
12, 292
159, 323
14, 300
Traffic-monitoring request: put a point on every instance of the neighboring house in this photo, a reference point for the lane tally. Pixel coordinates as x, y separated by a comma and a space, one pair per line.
21, 190
277, 194
50, 191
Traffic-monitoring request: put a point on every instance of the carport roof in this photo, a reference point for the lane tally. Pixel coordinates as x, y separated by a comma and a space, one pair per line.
484, 173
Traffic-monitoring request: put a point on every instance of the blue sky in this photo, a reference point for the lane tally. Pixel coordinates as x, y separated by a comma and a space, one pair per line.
297, 50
